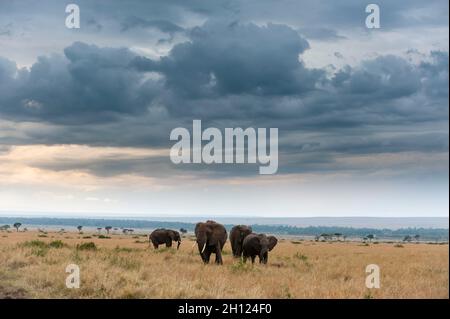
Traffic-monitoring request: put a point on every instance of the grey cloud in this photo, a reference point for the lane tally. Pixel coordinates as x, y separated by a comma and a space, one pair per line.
228, 75
93, 23
89, 84
161, 25
6, 30
235, 59
321, 34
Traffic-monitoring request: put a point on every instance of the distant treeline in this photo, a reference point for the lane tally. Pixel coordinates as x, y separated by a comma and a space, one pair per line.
440, 234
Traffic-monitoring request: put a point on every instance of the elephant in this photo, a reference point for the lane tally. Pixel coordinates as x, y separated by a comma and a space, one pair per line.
211, 238
237, 235
164, 236
258, 245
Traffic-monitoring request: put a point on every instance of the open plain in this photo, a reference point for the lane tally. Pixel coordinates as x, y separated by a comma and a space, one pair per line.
33, 265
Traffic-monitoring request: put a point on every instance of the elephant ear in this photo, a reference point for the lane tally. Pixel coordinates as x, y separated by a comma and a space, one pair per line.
272, 242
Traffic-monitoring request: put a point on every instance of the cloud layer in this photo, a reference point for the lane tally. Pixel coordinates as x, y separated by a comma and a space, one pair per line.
347, 102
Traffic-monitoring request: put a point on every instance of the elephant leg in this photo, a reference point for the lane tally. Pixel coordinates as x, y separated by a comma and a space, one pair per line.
203, 257
253, 259
233, 250
238, 252
169, 244
218, 255
207, 254
265, 258
244, 259
155, 246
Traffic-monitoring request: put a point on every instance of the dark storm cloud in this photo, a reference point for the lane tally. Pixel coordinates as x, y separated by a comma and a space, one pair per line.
235, 59
227, 75
88, 84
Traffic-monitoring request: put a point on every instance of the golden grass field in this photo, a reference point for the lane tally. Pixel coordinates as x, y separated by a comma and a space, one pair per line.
124, 266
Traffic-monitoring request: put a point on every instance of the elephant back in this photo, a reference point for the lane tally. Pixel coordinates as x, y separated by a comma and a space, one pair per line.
250, 242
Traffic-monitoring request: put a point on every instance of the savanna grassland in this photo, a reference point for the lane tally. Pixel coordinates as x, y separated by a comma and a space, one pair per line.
32, 265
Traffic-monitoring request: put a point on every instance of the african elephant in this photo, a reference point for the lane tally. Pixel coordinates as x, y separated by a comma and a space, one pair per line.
237, 235
258, 245
211, 238
164, 236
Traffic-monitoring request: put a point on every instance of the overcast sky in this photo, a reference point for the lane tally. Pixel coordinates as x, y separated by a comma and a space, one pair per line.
85, 114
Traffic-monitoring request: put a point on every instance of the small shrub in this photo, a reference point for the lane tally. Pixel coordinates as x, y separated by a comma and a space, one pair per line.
39, 252
287, 293
399, 246
57, 244
87, 237
164, 250
301, 257
35, 244
124, 262
104, 237
296, 242
124, 249
226, 252
368, 295
240, 267
87, 246
40, 235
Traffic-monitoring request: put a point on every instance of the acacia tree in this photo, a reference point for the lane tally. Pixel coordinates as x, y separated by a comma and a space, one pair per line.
17, 226
108, 228
79, 228
407, 238
99, 229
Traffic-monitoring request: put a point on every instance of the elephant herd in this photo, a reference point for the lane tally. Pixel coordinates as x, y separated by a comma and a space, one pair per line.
212, 236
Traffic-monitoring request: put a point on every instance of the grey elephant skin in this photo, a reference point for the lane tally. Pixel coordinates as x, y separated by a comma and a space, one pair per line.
211, 238
237, 235
258, 245
165, 236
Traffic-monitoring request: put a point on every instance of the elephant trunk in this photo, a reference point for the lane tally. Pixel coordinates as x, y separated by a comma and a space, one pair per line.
178, 245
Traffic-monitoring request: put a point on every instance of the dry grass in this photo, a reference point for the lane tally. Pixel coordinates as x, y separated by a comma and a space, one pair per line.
123, 267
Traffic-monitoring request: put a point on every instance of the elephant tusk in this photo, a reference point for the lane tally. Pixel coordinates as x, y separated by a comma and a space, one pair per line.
204, 247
